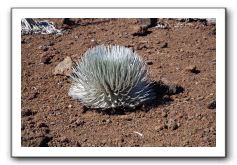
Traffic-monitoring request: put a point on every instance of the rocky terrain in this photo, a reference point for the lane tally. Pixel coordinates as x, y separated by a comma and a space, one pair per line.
180, 55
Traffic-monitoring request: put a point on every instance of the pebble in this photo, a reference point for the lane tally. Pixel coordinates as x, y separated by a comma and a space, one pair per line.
164, 45
93, 43
64, 139
164, 113
50, 43
68, 21
192, 69
33, 95
126, 117
148, 22
27, 112
80, 122
172, 124
212, 105
64, 67
140, 46
43, 141
149, 62
52, 123
42, 124
139, 30
23, 41
159, 128
46, 58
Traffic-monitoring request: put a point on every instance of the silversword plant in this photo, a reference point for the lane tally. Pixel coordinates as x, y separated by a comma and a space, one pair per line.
111, 77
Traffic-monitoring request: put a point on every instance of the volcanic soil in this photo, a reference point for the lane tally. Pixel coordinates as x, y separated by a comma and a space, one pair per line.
181, 58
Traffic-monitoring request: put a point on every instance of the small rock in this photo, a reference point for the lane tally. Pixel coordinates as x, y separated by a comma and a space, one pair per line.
200, 98
27, 112
205, 139
45, 48
175, 89
64, 139
23, 41
106, 121
148, 22
78, 144
57, 52
159, 128
64, 67
140, 46
42, 124
69, 106
29, 118
185, 143
46, 58
68, 21
212, 105
164, 45
50, 43
80, 122
93, 43
139, 30
172, 124
52, 123
104, 141
149, 62
193, 69
72, 119
167, 98
33, 95
213, 31
43, 141
126, 117
164, 113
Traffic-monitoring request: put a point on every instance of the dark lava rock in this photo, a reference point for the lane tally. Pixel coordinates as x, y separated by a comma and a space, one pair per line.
68, 21
45, 140
46, 58
27, 112
164, 113
149, 62
212, 105
42, 124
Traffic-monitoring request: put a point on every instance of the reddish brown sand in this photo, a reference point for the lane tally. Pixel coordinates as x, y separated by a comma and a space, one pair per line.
51, 118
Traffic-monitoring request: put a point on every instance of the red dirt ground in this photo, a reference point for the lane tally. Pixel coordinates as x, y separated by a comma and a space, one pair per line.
51, 118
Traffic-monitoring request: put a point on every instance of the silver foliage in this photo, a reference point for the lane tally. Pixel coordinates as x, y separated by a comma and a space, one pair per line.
111, 77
